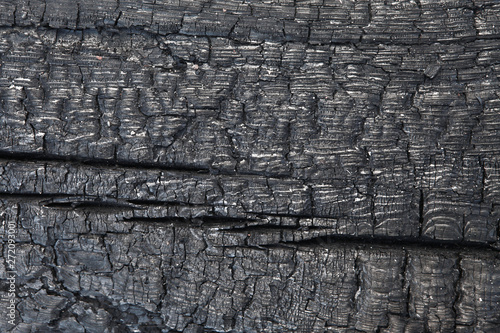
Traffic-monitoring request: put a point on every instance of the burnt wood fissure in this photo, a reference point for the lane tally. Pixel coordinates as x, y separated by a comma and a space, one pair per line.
251, 166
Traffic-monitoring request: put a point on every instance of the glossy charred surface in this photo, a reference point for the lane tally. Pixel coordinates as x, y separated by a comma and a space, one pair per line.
252, 166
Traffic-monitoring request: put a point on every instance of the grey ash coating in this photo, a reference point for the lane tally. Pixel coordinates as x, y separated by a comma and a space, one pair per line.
251, 166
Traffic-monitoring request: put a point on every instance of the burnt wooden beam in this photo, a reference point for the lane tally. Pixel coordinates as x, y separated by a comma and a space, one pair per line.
250, 166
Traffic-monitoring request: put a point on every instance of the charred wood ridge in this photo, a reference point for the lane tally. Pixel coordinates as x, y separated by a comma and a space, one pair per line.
139, 29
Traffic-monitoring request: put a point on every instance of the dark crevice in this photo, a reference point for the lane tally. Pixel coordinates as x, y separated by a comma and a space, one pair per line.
217, 220
241, 225
161, 220
126, 164
394, 242
162, 203
89, 205
274, 227
405, 275
194, 221
32, 196
300, 216
37, 157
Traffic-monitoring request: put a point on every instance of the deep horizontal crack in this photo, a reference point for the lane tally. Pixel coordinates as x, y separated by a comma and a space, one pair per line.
37, 157
394, 242
127, 164
89, 205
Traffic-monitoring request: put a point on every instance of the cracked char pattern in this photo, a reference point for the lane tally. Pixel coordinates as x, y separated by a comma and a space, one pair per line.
251, 166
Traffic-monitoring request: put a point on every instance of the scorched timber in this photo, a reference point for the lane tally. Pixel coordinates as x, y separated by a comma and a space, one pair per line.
251, 166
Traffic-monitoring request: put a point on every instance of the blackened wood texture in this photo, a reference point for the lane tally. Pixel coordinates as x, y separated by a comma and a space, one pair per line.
252, 166
94, 268
361, 128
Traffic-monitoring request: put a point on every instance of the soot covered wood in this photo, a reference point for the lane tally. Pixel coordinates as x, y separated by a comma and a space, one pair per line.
251, 166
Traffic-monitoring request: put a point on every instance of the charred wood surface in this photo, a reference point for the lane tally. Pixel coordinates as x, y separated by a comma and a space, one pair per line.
251, 166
